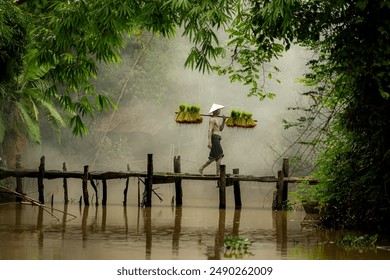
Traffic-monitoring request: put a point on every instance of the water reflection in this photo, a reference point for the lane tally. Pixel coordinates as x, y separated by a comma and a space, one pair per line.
115, 232
176, 231
214, 253
147, 213
280, 224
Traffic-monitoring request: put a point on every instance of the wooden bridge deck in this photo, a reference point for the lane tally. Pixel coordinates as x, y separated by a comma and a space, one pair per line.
150, 178
158, 177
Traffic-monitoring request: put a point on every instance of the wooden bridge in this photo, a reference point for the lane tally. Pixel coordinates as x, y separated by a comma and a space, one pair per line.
150, 178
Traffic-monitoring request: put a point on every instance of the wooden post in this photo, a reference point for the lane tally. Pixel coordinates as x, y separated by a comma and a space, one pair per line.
222, 187
285, 169
126, 187
95, 189
19, 180
139, 192
279, 191
178, 185
149, 181
104, 199
40, 180
85, 186
237, 190
65, 184
236, 222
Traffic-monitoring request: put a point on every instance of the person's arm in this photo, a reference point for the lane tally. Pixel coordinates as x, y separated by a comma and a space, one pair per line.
210, 132
222, 126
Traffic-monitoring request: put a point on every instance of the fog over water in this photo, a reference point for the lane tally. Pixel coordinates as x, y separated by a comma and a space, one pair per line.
143, 125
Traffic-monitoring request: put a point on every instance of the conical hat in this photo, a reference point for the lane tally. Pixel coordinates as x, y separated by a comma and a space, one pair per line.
215, 107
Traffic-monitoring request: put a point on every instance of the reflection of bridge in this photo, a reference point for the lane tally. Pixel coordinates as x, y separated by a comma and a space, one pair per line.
150, 177
142, 228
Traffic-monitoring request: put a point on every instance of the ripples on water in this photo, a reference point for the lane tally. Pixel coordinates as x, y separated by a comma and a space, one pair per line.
164, 232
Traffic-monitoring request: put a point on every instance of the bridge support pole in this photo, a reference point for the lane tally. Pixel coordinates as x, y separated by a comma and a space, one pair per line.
85, 186
237, 190
40, 180
286, 171
65, 184
149, 181
19, 180
104, 192
126, 188
178, 186
222, 187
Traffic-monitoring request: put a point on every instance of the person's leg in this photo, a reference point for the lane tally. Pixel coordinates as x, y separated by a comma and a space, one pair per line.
200, 170
218, 164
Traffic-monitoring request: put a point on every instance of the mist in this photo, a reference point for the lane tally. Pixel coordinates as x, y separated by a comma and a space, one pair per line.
146, 125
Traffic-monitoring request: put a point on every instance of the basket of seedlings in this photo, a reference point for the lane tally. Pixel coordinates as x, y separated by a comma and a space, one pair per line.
240, 119
188, 114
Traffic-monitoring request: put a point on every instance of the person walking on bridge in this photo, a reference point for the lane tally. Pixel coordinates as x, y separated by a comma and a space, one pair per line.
214, 138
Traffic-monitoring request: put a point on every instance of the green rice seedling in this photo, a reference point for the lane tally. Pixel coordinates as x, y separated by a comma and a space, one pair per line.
180, 115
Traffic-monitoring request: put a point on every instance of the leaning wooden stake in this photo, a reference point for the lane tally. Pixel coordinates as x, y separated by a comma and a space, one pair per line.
126, 188
35, 202
85, 186
222, 187
178, 182
95, 189
40, 180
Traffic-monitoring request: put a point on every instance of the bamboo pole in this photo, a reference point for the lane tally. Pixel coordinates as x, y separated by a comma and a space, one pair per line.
34, 202
208, 115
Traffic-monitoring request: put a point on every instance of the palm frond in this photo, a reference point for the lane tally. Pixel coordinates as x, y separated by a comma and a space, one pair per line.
28, 126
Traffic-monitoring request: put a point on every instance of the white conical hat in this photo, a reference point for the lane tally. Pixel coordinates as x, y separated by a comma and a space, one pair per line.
215, 107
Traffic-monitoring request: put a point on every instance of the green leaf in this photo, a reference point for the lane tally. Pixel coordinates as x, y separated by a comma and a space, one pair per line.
31, 127
384, 94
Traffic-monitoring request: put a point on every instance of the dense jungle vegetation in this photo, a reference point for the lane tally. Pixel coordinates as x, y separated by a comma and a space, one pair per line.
50, 52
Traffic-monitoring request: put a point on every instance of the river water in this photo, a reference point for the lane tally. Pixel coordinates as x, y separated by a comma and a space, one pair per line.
195, 231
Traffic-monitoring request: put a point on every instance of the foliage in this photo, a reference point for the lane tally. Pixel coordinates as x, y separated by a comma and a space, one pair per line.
349, 82
362, 241
348, 117
236, 246
71, 38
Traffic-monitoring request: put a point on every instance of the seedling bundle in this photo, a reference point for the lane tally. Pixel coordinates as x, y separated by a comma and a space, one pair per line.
240, 119
189, 114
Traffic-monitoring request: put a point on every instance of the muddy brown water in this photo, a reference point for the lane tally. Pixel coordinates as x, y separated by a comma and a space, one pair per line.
195, 231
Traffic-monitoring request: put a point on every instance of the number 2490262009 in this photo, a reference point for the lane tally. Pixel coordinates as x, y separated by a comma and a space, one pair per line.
226, 270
